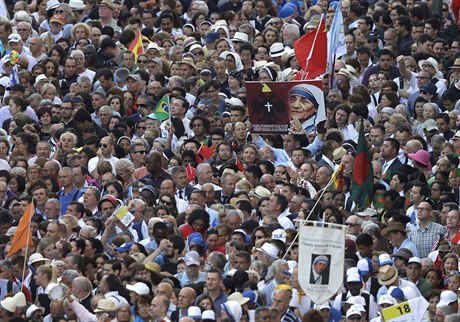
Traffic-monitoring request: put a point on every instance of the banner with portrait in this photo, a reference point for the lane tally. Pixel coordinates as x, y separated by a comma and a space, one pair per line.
321, 258
277, 107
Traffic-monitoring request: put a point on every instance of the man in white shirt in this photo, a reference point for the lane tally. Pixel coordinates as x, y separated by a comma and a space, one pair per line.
105, 153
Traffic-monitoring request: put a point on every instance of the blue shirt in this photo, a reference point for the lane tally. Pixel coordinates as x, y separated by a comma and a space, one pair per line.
66, 199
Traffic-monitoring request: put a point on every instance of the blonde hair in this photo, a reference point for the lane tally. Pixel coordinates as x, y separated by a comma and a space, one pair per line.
50, 271
48, 87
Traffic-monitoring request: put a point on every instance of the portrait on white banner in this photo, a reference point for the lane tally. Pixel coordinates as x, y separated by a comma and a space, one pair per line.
321, 257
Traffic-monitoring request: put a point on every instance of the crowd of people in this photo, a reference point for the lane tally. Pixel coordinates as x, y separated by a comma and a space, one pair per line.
214, 208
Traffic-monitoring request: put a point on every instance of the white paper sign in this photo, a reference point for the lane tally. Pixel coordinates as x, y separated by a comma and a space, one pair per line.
321, 258
410, 311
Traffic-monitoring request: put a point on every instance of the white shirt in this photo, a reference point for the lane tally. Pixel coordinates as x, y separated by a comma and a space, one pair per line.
93, 162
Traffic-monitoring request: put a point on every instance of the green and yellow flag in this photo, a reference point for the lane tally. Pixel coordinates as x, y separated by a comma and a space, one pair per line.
162, 109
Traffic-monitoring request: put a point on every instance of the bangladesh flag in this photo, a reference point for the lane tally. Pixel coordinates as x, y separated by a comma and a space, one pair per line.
362, 184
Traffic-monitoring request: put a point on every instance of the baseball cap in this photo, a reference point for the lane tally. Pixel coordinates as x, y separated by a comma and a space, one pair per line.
139, 288
192, 258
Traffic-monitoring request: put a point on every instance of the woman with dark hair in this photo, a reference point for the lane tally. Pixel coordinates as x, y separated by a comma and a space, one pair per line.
261, 232
52, 184
114, 188
200, 127
58, 54
17, 185
51, 66
198, 221
25, 145
93, 246
117, 104
44, 115
169, 201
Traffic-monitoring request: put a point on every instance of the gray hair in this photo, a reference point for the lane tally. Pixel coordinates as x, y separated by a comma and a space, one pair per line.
90, 229
77, 52
55, 201
438, 138
106, 108
124, 164
275, 268
22, 15
70, 275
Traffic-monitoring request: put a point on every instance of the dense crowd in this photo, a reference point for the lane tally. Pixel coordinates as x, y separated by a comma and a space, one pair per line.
214, 209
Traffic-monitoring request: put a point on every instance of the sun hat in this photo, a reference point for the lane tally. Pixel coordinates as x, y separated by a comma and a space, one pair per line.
393, 226
276, 50
105, 305
269, 250
77, 4
387, 274
421, 156
37, 257
238, 297
403, 253
240, 37
433, 63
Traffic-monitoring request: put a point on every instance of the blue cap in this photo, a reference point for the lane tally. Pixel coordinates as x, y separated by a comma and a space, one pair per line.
287, 10
397, 293
252, 296
124, 248
430, 88
212, 36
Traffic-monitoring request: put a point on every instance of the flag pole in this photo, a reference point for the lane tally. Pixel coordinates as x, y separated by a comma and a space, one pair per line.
314, 43
27, 249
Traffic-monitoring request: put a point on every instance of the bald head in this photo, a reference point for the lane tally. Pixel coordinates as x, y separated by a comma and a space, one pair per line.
413, 146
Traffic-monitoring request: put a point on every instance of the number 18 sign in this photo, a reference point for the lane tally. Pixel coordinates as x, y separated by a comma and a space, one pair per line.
410, 311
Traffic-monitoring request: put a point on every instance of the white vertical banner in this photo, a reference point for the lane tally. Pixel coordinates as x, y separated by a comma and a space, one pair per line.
321, 258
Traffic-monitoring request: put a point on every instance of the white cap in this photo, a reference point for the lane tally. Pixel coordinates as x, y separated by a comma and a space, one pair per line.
354, 278
194, 312
447, 297
139, 288
208, 315
324, 305
32, 309
414, 260
279, 234
386, 299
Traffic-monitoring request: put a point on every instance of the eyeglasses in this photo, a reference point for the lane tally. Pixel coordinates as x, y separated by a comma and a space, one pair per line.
426, 66
198, 53
142, 127
103, 145
353, 225
140, 152
169, 203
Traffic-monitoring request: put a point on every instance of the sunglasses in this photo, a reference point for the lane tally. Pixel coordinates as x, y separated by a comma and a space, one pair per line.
370, 41
142, 61
142, 105
142, 127
103, 145
59, 11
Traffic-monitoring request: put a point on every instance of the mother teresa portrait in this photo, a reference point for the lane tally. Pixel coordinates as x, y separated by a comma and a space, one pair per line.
303, 105
320, 270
